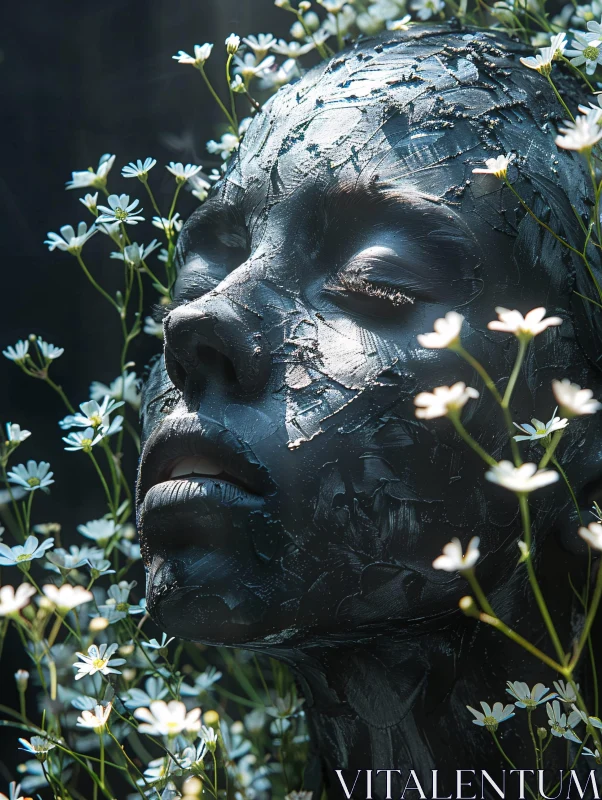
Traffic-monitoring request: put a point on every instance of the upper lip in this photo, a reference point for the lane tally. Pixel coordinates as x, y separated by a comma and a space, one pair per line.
195, 435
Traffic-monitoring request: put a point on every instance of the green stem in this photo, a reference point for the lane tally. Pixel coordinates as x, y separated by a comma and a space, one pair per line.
454, 416
217, 99
559, 98
495, 622
569, 487
471, 577
97, 286
589, 621
551, 449
522, 349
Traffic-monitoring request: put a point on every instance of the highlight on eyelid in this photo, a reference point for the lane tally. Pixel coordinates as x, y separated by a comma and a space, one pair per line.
352, 283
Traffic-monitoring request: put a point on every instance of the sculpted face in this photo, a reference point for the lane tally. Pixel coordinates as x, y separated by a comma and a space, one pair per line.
287, 492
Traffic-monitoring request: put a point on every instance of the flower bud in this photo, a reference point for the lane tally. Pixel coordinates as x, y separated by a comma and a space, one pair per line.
469, 607
22, 679
542, 733
232, 44
304, 6
98, 624
210, 717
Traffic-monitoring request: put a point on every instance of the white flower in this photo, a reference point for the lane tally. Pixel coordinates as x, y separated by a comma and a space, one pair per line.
209, 737
526, 478
90, 201
573, 400
201, 54
153, 328
14, 434
15, 792
527, 326
592, 535
121, 210
292, 49
580, 135
168, 719
491, 717
69, 241
200, 187
124, 387
100, 530
153, 644
118, 606
33, 476
226, 145
259, 44
454, 560
96, 720
443, 399
182, 173
559, 725
169, 225
232, 44
585, 50
528, 698
542, 61
37, 746
19, 554
539, 430
18, 353
565, 691
67, 597
399, 24
496, 166
558, 44
249, 67
446, 331
12, 601
273, 80
98, 659
97, 180
93, 414
139, 169
426, 8
83, 440
134, 254
49, 351
61, 560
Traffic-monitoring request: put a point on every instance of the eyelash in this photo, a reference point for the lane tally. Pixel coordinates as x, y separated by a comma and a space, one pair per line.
353, 284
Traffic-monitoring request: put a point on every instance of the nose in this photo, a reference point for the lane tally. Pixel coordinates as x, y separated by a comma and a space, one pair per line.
214, 337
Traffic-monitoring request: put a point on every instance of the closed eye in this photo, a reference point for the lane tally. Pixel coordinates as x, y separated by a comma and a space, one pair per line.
351, 284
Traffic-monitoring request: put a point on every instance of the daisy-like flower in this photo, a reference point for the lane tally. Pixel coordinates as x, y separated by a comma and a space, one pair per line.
443, 400
259, 44
573, 400
61, 560
98, 659
528, 698
134, 254
585, 50
93, 414
153, 328
38, 746
99, 530
454, 559
49, 351
67, 597
232, 44
97, 180
18, 353
249, 67
201, 54
168, 719
539, 429
121, 210
226, 145
182, 173
533, 323
580, 135
209, 737
202, 683
446, 332
155, 645
139, 169
592, 754
14, 791
90, 201
83, 440
97, 720
23, 553
426, 8
402, 24
542, 61
491, 718
523, 479
125, 387
561, 726
200, 187
192, 756
565, 692
14, 434
496, 166
118, 606
592, 535
33, 476
11, 601
169, 225
558, 44
292, 49
69, 241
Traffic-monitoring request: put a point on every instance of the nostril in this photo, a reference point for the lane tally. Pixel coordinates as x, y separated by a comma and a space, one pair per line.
201, 362
175, 370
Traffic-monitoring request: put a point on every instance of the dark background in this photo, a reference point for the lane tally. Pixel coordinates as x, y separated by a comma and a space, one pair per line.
79, 79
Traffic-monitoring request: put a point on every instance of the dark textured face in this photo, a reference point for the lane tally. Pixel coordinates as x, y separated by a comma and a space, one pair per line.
287, 492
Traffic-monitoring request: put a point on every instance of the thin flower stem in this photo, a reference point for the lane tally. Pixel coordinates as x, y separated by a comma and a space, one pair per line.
541, 222
569, 487
509, 761
59, 390
97, 286
232, 95
520, 357
15, 506
454, 417
539, 598
535, 748
589, 621
495, 622
217, 99
559, 98
471, 577
27, 512
105, 487
551, 449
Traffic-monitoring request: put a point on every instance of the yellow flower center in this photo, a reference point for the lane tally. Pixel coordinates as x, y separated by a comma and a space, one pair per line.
591, 53
173, 728
34, 481
99, 663
95, 420
24, 557
123, 606
121, 214
86, 445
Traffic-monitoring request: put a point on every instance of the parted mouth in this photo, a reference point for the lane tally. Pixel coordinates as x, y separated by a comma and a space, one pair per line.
192, 447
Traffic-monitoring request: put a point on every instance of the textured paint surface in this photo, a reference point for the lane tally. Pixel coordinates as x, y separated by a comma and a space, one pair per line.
349, 221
